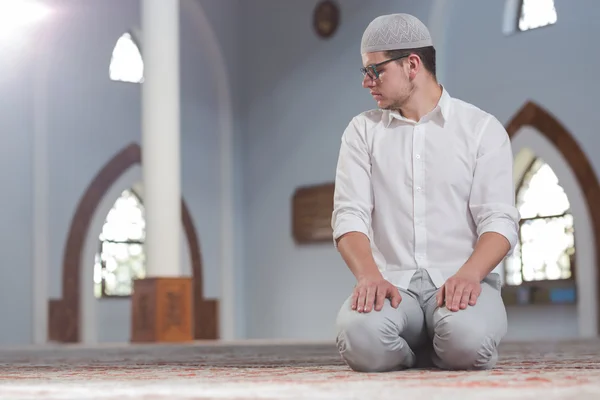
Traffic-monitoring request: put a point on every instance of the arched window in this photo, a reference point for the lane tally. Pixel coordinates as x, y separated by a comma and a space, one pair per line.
546, 246
121, 255
126, 64
535, 14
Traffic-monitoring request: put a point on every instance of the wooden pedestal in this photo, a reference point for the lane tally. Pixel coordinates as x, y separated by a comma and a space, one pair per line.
162, 310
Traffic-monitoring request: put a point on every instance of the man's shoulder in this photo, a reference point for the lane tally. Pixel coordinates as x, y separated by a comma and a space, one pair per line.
372, 116
483, 126
469, 111
363, 124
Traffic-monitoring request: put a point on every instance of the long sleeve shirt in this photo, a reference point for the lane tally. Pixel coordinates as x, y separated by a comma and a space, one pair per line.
424, 192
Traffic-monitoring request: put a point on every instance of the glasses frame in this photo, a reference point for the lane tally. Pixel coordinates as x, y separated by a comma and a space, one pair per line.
373, 67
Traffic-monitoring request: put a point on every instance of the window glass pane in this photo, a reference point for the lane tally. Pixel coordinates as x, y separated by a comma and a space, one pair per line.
541, 195
546, 247
537, 13
121, 258
126, 64
546, 237
125, 221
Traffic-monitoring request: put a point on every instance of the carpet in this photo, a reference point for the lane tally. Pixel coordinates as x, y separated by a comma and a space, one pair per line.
546, 370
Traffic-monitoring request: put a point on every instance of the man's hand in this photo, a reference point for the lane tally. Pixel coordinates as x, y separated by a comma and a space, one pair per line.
371, 290
459, 290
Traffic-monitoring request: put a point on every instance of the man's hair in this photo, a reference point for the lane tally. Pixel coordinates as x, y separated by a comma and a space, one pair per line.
426, 54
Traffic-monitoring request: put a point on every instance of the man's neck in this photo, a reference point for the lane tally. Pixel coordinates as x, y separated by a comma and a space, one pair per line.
422, 101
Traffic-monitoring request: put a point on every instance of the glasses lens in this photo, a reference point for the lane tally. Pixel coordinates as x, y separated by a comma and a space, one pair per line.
373, 72
370, 71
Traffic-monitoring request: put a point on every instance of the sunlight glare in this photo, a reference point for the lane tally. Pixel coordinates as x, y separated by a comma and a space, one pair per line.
17, 15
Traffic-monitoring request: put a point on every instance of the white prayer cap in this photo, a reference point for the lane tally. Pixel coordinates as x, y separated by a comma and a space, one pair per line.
395, 32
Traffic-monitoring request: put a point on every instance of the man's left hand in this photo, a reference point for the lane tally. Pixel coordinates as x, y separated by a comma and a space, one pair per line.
459, 290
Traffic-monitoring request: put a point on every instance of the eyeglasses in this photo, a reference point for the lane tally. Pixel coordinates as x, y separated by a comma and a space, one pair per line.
371, 70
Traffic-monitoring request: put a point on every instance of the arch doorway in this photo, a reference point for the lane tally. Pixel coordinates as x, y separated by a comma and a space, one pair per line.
583, 187
65, 313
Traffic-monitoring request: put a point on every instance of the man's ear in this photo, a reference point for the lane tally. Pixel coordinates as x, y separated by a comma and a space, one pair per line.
415, 65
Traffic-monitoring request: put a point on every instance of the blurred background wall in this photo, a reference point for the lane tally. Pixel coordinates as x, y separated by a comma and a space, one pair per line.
264, 101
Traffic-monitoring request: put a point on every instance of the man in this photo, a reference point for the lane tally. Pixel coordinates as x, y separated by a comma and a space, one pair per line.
423, 213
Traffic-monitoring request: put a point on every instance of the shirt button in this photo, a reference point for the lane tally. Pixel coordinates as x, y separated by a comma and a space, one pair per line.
418, 188
418, 156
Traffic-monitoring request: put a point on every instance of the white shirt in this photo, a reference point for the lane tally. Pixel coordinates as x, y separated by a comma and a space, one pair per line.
423, 192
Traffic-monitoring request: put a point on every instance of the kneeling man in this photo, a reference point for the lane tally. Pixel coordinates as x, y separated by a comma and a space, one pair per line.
423, 213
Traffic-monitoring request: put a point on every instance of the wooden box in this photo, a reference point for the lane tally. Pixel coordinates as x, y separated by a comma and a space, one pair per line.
162, 310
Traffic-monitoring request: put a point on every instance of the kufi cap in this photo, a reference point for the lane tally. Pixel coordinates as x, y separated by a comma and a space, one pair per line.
395, 32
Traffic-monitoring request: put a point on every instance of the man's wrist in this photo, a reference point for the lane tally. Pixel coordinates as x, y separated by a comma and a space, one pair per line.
370, 274
490, 250
476, 270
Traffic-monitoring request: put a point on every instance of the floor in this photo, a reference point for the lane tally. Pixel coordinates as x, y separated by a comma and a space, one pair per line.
538, 371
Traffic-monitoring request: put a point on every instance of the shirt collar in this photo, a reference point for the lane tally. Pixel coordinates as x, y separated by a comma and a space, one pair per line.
442, 109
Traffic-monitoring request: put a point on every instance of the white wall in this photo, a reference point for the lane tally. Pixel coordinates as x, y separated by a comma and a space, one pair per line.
63, 120
218, 25
500, 73
16, 224
291, 95
87, 119
300, 93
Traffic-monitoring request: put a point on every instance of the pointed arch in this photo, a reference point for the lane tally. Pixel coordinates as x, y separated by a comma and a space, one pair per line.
64, 313
537, 117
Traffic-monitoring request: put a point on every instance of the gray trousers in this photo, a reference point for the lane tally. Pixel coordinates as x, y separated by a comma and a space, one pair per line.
420, 334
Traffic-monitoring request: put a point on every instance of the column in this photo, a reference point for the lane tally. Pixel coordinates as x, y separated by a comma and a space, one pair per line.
160, 136
162, 303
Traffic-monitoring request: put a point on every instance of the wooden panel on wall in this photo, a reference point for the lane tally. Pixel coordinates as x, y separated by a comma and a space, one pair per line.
207, 320
56, 320
311, 213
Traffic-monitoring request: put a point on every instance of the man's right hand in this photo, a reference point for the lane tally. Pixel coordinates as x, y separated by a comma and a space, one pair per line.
374, 290
371, 288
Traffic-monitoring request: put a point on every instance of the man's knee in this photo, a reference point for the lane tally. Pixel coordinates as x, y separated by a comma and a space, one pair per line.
463, 343
368, 341
361, 346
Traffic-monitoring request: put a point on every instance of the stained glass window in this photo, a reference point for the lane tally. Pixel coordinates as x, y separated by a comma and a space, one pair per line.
546, 246
126, 64
120, 258
536, 13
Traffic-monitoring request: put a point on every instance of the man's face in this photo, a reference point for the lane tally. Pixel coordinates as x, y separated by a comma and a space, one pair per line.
392, 87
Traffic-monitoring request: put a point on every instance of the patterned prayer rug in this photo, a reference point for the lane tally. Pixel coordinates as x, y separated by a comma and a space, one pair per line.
565, 370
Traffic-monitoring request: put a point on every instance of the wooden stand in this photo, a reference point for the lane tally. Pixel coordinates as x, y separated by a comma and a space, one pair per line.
162, 310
